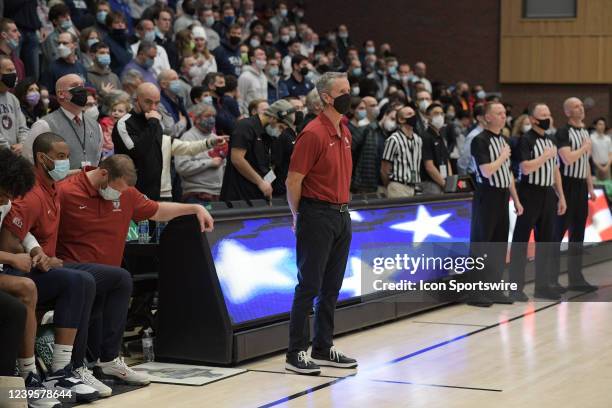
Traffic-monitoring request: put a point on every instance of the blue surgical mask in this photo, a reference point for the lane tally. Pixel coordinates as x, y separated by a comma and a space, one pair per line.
148, 63
360, 114
101, 17
66, 25
392, 70
175, 86
104, 59
273, 71
60, 170
149, 36
229, 20
92, 41
109, 193
357, 71
13, 44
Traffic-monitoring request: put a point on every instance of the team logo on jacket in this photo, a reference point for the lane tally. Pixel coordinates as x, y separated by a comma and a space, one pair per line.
18, 222
7, 122
116, 205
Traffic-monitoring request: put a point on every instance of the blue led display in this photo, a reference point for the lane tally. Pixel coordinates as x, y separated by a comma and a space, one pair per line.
256, 265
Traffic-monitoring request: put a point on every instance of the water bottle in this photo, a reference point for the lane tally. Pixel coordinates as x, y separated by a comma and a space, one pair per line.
143, 232
160, 227
147, 346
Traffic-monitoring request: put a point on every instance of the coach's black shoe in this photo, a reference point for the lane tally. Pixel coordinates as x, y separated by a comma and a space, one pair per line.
518, 296
547, 293
302, 364
479, 301
584, 286
500, 298
333, 358
558, 288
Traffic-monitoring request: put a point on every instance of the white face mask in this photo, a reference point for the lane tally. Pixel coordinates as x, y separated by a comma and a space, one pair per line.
92, 113
526, 128
63, 51
437, 121
109, 193
261, 64
390, 125
423, 105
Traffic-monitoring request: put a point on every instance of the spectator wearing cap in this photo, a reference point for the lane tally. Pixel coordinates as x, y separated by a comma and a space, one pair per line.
202, 174
252, 83
227, 55
145, 30
205, 60
249, 174
298, 84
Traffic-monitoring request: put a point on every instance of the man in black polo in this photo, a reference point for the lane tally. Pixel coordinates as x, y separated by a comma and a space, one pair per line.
541, 194
436, 160
490, 218
250, 172
575, 147
318, 193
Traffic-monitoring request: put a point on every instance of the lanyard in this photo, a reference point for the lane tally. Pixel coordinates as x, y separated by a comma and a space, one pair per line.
82, 143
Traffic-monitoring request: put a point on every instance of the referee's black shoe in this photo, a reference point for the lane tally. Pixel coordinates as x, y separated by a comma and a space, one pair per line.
557, 286
500, 298
478, 301
583, 286
518, 296
302, 364
333, 358
547, 293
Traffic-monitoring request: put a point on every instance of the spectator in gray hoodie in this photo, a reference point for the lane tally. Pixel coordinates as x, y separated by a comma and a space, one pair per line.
252, 83
202, 174
13, 128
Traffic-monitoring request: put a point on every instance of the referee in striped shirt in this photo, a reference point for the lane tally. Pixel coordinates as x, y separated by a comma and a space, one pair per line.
574, 146
401, 160
490, 220
541, 194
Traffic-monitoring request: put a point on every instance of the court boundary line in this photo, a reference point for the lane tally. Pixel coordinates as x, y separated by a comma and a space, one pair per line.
421, 351
451, 324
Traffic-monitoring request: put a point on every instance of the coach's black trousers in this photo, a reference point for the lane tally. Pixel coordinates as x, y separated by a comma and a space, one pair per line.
573, 221
540, 209
12, 326
323, 241
489, 231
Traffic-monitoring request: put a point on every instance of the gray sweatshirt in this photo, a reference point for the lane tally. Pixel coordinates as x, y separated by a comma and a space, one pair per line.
197, 172
13, 128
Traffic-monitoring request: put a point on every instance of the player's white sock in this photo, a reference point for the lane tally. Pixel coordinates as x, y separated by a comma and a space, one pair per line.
62, 354
26, 366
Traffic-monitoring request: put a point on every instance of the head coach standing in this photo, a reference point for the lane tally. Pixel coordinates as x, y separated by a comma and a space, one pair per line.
318, 192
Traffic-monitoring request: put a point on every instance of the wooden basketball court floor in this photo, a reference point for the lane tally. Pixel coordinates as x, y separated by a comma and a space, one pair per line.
536, 354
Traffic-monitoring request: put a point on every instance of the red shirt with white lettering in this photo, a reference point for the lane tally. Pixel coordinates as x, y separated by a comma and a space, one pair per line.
92, 229
324, 158
38, 212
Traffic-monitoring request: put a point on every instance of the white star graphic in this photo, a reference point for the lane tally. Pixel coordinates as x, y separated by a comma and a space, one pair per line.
356, 216
246, 272
424, 225
352, 283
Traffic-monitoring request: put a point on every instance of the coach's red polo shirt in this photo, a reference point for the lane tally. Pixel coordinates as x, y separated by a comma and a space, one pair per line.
324, 158
38, 212
93, 229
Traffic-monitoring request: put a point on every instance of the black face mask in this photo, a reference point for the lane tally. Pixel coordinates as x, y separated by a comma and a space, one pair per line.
119, 34
189, 9
412, 121
220, 90
235, 40
299, 117
9, 80
466, 95
342, 104
79, 96
323, 68
544, 124
304, 71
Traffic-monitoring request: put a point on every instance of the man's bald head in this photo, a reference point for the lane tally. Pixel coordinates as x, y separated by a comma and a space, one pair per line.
62, 90
573, 108
147, 97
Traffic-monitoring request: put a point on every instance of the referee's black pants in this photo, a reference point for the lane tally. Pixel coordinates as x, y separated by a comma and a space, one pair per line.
540, 207
573, 221
323, 241
489, 231
12, 326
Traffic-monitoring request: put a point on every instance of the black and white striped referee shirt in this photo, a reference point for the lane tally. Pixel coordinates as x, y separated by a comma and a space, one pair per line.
405, 155
531, 146
574, 138
486, 148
